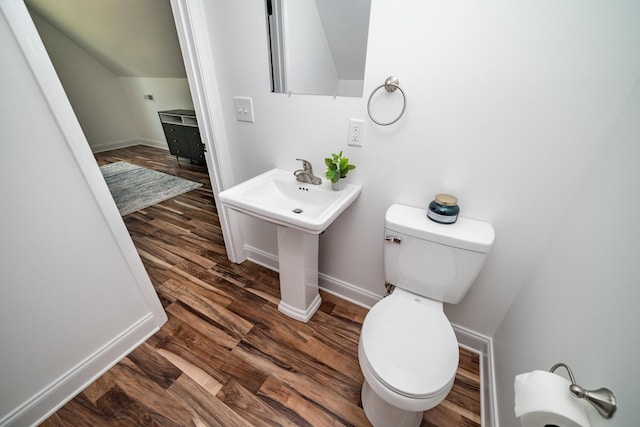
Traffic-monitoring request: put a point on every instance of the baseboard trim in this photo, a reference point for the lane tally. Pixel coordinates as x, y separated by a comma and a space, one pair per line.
113, 145
153, 143
468, 339
483, 346
347, 291
339, 288
260, 257
301, 315
66, 387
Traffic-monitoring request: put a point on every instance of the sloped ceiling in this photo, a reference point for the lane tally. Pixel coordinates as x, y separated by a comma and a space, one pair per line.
132, 38
346, 25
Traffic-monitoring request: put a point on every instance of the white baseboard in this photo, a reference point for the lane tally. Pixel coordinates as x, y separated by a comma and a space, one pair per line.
468, 339
67, 386
260, 257
298, 314
482, 345
334, 286
113, 145
347, 291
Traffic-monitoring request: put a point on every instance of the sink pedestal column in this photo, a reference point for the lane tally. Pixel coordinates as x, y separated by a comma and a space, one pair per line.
298, 263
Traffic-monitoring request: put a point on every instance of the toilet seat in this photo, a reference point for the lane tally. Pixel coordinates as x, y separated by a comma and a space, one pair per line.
409, 345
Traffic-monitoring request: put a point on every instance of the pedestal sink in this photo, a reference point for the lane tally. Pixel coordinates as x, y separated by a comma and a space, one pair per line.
301, 211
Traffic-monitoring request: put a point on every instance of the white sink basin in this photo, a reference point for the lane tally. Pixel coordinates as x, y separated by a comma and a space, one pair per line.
301, 211
277, 196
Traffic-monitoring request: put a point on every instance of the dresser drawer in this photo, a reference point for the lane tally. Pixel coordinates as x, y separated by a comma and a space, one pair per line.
197, 151
192, 132
171, 130
178, 146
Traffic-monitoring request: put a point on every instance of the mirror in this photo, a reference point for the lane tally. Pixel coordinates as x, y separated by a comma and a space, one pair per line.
318, 47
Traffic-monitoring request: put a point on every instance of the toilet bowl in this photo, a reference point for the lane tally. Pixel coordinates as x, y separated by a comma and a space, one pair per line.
408, 354
408, 351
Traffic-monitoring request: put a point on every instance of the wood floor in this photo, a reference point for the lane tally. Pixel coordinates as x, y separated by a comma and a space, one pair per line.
227, 357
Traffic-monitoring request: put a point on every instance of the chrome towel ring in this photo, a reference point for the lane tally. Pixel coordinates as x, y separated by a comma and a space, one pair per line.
391, 84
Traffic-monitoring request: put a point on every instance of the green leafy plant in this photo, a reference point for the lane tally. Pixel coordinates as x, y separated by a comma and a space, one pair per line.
337, 167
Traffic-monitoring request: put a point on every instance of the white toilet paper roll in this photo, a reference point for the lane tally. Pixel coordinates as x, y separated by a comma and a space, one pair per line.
543, 399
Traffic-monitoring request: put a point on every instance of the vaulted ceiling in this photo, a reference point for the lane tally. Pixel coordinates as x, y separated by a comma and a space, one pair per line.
346, 26
131, 38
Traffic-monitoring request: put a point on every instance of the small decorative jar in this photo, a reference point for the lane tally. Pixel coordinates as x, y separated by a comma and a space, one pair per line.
444, 209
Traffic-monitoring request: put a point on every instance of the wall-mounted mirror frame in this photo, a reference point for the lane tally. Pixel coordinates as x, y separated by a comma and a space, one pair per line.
318, 47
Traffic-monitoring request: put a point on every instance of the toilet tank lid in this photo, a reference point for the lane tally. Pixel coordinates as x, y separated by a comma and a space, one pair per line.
465, 233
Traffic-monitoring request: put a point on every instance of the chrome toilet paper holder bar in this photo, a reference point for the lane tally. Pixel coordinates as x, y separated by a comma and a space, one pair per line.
602, 399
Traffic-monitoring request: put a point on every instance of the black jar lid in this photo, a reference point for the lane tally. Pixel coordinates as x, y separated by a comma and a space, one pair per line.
446, 199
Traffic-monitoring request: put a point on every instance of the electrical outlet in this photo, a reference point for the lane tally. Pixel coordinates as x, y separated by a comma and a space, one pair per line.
356, 132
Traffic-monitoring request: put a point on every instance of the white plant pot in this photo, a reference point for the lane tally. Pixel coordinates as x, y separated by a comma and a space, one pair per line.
338, 186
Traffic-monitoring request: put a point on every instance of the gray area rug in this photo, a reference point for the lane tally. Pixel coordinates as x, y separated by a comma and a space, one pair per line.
134, 187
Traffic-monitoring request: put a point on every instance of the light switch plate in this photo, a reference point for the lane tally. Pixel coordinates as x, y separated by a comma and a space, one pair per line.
244, 108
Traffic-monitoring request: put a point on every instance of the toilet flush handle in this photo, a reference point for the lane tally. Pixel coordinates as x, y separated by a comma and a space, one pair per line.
393, 239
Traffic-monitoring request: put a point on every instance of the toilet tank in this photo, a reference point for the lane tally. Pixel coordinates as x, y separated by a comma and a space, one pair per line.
438, 261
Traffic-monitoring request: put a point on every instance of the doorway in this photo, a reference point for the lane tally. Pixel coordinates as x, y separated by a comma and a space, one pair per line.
216, 156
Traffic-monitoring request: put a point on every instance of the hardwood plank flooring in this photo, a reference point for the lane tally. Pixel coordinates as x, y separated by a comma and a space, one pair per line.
227, 357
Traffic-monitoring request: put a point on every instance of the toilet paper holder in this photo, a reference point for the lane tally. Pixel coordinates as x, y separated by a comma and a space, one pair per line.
602, 399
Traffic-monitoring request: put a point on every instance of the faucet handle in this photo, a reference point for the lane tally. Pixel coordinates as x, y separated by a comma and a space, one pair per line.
306, 165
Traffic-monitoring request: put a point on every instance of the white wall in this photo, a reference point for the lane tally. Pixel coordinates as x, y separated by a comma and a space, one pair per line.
579, 305
508, 104
168, 93
308, 61
350, 87
95, 92
74, 296
111, 109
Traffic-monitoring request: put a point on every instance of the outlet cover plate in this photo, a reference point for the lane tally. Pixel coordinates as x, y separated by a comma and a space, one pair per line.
356, 133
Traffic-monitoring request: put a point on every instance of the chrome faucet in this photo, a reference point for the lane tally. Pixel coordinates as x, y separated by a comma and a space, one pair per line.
306, 173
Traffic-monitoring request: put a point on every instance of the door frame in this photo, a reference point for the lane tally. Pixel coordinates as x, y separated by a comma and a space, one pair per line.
53, 395
30, 43
203, 83
201, 75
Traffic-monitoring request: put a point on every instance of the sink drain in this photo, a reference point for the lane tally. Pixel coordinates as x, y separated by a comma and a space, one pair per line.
297, 210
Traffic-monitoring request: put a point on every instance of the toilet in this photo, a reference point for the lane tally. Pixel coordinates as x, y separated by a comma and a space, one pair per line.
408, 351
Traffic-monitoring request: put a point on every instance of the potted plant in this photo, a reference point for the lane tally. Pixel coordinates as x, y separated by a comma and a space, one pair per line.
337, 169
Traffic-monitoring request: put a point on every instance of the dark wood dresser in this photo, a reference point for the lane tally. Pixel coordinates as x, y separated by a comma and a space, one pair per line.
182, 133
